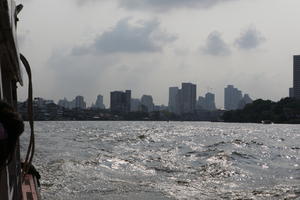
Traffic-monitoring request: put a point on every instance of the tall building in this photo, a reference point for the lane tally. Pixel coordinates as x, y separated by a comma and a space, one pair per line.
232, 97
296, 77
210, 101
65, 103
182, 100
244, 101
120, 101
79, 102
179, 103
201, 103
188, 97
135, 105
99, 102
38, 101
173, 91
147, 102
291, 92
127, 100
207, 102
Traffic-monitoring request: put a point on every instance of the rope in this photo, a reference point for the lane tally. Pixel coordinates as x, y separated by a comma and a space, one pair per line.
31, 147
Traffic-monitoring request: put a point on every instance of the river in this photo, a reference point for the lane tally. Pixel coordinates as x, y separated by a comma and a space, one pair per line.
166, 160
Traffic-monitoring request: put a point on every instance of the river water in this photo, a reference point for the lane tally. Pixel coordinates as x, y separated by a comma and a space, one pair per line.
167, 160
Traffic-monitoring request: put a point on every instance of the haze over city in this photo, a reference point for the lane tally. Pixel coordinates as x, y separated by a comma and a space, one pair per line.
92, 47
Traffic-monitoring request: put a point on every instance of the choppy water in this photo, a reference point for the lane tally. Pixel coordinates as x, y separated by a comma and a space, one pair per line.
161, 160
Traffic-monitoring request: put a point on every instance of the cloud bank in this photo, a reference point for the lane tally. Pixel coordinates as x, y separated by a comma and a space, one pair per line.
163, 5
128, 38
215, 45
250, 39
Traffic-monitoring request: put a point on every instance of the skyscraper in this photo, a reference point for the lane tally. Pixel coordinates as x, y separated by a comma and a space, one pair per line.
232, 97
188, 97
244, 101
182, 100
201, 103
173, 91
135, 105
99, 102
127, 100
291, 92
179, 102
210, 101
296, 77
207, 102
79, 102
120, 101
147, 101
65, 103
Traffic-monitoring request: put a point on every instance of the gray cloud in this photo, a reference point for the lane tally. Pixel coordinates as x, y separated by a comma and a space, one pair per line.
250, 39
215, 45
85, 2
162, 5
127, 38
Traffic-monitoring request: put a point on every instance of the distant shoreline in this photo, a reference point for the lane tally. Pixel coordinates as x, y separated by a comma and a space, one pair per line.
162, 121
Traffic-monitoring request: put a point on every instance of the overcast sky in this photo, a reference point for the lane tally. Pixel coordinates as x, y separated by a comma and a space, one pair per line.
91, 47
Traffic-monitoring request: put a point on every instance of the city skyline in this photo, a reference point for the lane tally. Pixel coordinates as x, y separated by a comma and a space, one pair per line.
182, 100
149, 46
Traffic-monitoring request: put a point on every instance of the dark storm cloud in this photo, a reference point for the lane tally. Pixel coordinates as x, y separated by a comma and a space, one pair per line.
215, 45
161, 5
127, 38
250, 39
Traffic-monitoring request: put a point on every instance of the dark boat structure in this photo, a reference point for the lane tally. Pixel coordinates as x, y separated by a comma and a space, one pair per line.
15, 184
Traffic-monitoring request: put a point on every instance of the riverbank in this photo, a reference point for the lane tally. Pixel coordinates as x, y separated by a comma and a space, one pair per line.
285, 111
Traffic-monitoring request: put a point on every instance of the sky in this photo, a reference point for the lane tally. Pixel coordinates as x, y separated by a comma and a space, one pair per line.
91, 47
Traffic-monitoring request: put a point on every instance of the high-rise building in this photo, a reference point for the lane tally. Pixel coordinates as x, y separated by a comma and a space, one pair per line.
291, 92
147, 102
127, 100
120, 101
188, 97
232, 97
65, 103
207, 102
210, 101
99, 102
182, 100
38, 101
173, 91
79, 102
179, 103
201, 103
117, 101
244, 101
135, 105
296, 77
